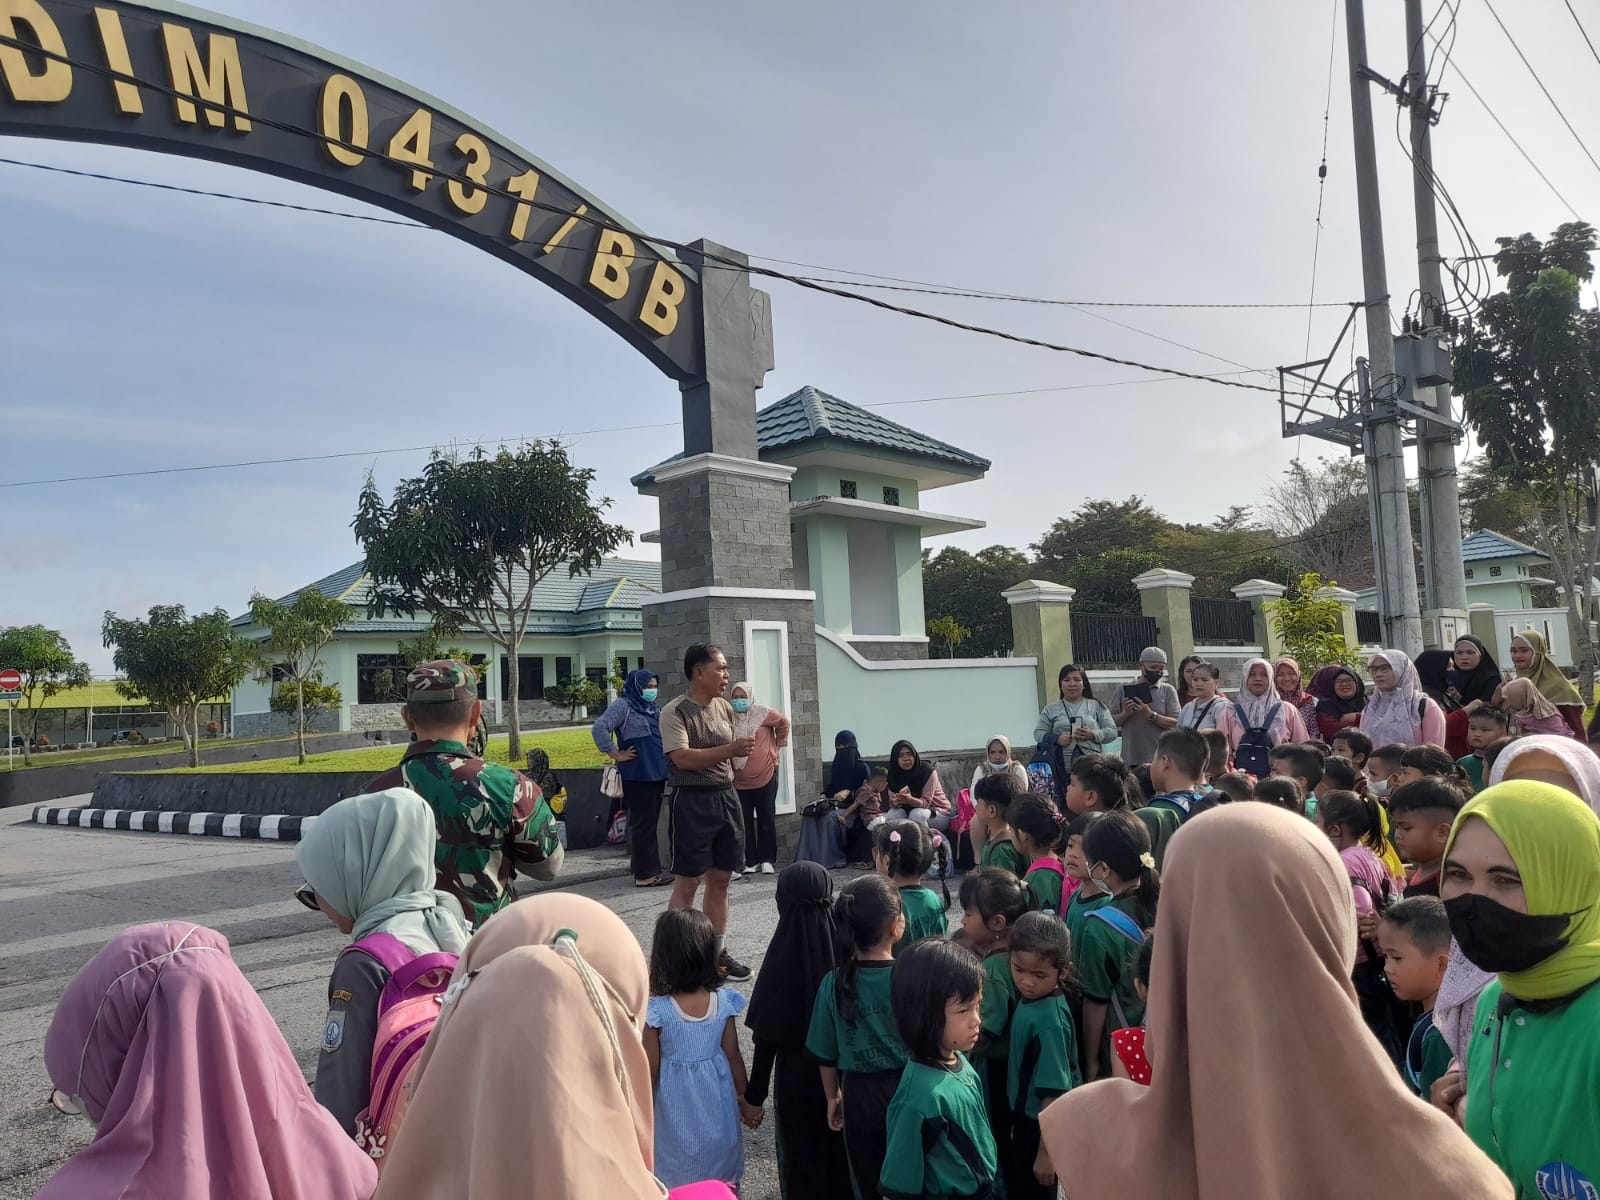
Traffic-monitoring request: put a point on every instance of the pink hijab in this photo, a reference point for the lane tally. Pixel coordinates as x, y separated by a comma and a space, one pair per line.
194, 1092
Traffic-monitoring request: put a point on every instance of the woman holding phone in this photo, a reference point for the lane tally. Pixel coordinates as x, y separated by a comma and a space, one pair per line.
1075, 724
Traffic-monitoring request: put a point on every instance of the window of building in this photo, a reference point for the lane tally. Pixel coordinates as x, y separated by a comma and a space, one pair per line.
1469, 572
891, 495
381, 679
1495, 571
563, 669
847, 489
622, 667
596, 675
530, 677
640, 661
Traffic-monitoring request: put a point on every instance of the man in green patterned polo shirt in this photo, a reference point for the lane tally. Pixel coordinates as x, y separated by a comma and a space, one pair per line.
492, 820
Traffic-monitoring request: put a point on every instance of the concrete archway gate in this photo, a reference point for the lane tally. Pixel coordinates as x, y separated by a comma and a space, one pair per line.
179, 80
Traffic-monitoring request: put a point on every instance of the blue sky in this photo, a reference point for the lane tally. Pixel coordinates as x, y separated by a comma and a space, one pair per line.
1069, 151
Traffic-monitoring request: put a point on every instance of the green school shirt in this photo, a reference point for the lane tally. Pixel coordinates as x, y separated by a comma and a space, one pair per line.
1046, 886
1083, 902
1473, 766
870, 1042
1163, 817
940, 1145
1044, 1054
1104, 959
1003, 853
1427, 1056
925, 915
1534, 1107
999, 1002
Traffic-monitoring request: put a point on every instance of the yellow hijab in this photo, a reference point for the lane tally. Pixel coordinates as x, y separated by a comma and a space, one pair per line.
1546, 676
1554, 840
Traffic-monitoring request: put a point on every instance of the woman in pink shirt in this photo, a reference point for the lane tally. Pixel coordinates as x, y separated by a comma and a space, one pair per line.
1259, 707
755, 777
1532, 712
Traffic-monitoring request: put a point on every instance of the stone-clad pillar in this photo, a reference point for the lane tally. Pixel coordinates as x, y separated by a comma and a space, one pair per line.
1041, 628
726, 554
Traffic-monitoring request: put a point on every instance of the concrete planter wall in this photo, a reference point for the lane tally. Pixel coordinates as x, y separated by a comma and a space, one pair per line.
42, 784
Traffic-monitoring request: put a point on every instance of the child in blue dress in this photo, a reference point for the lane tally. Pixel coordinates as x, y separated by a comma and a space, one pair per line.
695, 1062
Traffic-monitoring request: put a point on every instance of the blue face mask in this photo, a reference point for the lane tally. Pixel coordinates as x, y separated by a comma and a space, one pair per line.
741, 705
650, 695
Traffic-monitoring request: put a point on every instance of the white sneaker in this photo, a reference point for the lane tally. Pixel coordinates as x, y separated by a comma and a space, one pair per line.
767, 869
735, 876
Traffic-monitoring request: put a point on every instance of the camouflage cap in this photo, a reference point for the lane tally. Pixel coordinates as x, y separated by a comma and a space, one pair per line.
440, 682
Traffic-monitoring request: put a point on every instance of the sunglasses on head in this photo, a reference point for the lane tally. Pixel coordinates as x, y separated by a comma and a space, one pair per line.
307, 896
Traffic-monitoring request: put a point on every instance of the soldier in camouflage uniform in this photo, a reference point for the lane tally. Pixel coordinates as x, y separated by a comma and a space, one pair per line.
492, 821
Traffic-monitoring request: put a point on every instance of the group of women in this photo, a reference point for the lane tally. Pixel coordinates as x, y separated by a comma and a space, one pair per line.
1425, 702
629, 733
912, 791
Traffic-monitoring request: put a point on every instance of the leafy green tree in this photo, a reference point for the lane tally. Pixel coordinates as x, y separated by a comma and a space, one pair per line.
966, 588
45, 660
1492, 499
949, 631
307, 698
1105, 581
1312, 627
1094, 528
297, 633
178, 662
470, 539
575, 694
1226, 552
1528, 372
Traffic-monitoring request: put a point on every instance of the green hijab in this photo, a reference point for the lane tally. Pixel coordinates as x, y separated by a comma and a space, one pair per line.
1546, 676
371, 859
1554, 840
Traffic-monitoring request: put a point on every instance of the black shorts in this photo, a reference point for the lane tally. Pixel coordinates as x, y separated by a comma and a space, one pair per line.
706, 828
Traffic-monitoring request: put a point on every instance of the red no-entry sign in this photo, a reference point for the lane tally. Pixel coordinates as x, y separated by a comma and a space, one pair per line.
10, 680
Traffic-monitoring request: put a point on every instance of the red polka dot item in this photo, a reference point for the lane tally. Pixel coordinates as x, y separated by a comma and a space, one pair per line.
1129, 1047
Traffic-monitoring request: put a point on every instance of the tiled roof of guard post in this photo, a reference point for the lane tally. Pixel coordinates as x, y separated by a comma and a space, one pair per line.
1486, 544
561, 603
814, 415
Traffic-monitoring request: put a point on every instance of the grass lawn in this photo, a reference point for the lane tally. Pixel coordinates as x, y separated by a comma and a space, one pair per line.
569, 750
61, 758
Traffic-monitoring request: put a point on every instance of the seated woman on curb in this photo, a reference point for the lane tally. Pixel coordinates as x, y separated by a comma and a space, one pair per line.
914, 789
368, 863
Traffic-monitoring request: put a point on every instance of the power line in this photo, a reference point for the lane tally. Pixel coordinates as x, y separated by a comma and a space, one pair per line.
1322, 179
305, 458
1489, 4
1582, 30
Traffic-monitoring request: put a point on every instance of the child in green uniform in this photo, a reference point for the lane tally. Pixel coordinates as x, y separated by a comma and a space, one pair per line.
1039, 830
1484, 725
852, 1033
903, 851
1044, 1048
992, 901
1122, 867
1414, 936
992, 797
939, 1146
1098, 783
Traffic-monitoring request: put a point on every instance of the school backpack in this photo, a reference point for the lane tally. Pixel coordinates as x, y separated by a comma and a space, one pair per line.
1253, 753
1381, 902
1046, 771
1128, 928
407, 1009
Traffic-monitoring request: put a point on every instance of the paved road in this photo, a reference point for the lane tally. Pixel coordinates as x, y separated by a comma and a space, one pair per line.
64, 892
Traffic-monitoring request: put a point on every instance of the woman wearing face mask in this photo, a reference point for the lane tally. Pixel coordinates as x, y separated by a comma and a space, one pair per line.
633, 719
1531, 657
1521, 877
163, 1044
755, 777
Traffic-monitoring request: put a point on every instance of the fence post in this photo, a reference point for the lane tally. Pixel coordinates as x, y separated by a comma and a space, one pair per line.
1347, 611
1484, 627
1041, 628
1264, 595
1164, 595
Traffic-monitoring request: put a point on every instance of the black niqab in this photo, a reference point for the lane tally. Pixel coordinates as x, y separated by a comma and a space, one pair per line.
800, 954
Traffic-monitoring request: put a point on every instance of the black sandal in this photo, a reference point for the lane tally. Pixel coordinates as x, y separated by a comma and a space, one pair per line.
659, 881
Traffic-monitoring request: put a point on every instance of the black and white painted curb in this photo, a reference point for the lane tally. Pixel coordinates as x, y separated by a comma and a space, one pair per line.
236, 825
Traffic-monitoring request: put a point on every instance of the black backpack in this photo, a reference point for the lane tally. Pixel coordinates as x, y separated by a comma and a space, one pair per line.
1253, 754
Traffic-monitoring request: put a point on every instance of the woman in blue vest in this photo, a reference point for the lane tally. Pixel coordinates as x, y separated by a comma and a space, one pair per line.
633, 719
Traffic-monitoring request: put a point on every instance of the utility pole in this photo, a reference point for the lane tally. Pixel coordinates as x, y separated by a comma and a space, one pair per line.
1391, 514
1446, 615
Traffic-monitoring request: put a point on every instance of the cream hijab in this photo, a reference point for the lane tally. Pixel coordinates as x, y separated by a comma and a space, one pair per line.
521, 1090
1257, 1041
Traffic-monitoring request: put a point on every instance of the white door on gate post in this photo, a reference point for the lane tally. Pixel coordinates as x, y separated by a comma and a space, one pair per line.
766, 659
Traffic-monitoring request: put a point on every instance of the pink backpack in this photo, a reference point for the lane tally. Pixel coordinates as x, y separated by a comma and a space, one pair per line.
407, 1009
